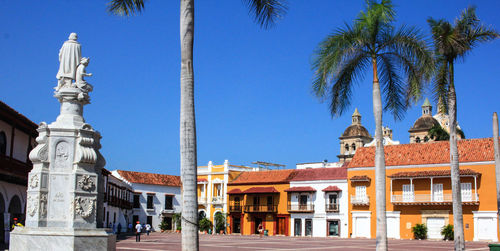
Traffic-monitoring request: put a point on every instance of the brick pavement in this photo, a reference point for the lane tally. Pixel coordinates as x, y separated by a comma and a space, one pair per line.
171, 241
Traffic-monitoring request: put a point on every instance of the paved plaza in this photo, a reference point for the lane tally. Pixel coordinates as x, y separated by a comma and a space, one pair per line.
172, 241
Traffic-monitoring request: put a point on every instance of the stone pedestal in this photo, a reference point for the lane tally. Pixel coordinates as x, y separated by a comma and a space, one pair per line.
65, 188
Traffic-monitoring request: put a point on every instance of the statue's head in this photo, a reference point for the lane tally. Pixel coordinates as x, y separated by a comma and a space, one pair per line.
73, 36
84, 61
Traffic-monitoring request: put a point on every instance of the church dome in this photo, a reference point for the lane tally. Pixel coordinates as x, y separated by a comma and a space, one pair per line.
356, 130
424, 123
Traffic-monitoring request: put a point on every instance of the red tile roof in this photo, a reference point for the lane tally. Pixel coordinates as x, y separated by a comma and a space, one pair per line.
202, 180
417, 174
151, 178
22, 122
300, 189
235, 191
264, 177
335, 173
261, 190
332, 189
360, 178
469, 150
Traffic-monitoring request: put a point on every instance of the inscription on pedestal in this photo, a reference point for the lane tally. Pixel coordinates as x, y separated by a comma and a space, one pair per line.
58, 198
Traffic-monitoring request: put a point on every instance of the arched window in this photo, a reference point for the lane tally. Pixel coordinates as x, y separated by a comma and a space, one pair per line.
353, 147
347, 147
201, 215
426, 139
3, 143
417, 140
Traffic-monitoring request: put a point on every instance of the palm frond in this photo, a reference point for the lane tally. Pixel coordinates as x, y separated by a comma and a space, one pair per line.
267, 12
441, 82
125, 7
392, 86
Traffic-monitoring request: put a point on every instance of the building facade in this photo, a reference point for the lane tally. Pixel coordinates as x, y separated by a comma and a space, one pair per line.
260, 198
17, 138
418, 186
155, 199
317, 202
354, 137
118, 202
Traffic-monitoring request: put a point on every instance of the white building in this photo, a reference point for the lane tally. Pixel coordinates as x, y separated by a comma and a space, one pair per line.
17, 138
118, 197
318, 202
156, 197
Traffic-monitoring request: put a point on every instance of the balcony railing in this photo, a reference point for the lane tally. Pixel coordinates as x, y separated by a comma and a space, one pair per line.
117, 202
235, 208
304, 208
261, 208
217, 200
332, 207
202, 200
428, 198
360, 200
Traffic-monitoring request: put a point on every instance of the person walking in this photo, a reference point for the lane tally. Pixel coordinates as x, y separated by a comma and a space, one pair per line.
260, 229
148, 229
129, 227
138, 229
119, 228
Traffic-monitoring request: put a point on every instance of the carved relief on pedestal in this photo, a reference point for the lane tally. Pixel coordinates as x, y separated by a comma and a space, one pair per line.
86, 183
84, 207
62, 154
34, 181
43, 205
32, 205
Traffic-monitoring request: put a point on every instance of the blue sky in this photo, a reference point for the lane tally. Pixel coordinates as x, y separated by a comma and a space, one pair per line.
253, 86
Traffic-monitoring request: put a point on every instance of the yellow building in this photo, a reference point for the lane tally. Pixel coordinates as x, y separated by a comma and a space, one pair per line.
212, 187
418, 186
260, 198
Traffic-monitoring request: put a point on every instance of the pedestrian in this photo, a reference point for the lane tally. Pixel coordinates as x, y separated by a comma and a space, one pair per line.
114, 227
138, 229
148, 229
129, 229
260, 229
119, 227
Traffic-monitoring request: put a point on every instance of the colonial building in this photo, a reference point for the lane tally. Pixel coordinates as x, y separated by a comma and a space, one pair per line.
17, 138
156, 197
418, 188
260, 198
354, 137
212, 187
118, 197
419, 132
317, 202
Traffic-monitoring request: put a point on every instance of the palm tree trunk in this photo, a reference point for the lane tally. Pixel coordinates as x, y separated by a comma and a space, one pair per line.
497, 159
379, 164
188, 130
458, 222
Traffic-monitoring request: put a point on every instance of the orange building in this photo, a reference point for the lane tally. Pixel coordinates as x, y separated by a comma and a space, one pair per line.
418, 186
260, 198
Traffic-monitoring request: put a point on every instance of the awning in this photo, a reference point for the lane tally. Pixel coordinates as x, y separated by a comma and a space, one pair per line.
261, 190
300, 189
434, 173
235, 191
332, 189
360, 178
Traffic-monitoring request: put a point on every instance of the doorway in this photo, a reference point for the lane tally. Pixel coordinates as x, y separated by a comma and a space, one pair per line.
237, 225
308, 226
297, 227
333, 228
257, 221
281, 226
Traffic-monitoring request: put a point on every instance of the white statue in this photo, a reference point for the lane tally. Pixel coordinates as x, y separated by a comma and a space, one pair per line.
81, 73
69, 58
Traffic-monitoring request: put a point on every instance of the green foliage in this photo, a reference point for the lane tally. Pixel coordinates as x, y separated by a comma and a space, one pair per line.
205, 224
420, 231
220, 222
125, 7
438, 133
177, 219
399, 57
447, 232
163, 226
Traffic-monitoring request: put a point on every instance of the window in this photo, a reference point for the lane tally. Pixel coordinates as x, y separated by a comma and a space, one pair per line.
417, 140
137, 201
297, 227
437, 192
466, 191
361, 192
149, 220
408, 192
149, 204
347, 148
308, 226
426, 139
353, 147
3, 143
169, 202
332, 202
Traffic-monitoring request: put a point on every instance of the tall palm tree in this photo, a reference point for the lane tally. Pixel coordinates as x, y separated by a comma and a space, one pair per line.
265, 12
400, 61
497, 158
453, 42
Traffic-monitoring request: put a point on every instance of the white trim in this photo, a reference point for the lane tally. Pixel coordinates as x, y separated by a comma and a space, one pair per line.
485, 214
397, 215
425, 165
359, 214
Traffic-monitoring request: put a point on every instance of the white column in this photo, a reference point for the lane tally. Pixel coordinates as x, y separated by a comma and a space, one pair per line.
432, 187
391, 190
412, 190
475, 187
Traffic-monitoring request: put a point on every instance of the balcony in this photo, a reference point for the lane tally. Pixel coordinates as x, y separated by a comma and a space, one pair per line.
202, 200
427, 199
168, 211
235, 209
261, 208
218, 200
360, 200
332, 208
301, 208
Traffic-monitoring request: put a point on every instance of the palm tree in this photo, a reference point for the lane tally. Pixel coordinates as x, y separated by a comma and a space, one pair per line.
265, 12
400, 60
453, 42
497, 158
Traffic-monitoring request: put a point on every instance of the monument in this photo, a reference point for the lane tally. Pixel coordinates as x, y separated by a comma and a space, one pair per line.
65, 188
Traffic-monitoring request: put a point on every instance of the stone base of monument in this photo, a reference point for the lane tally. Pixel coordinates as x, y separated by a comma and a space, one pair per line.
63, 239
